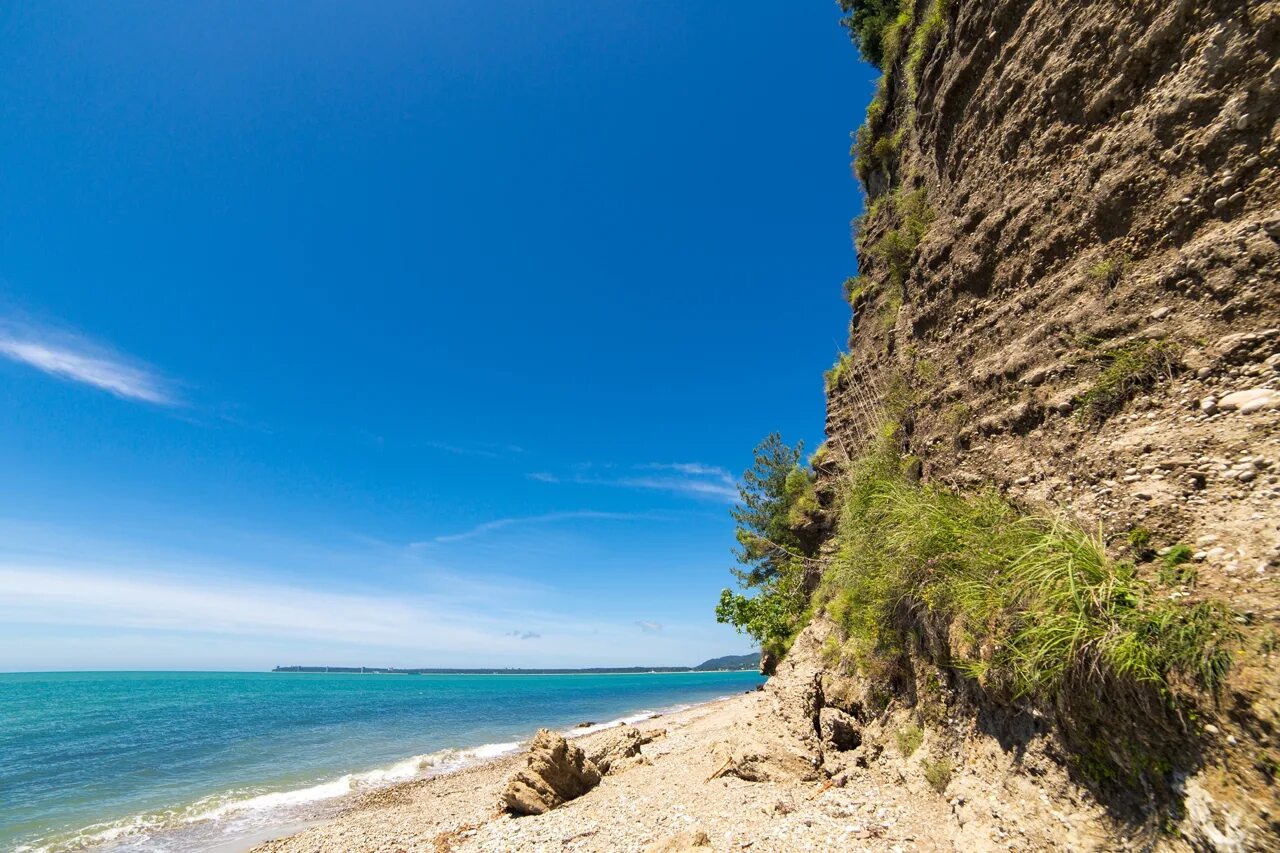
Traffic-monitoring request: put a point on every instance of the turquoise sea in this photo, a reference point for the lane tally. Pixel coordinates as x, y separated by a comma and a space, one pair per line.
210, 761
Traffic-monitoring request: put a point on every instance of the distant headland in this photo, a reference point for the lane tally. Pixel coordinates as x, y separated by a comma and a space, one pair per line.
732, 663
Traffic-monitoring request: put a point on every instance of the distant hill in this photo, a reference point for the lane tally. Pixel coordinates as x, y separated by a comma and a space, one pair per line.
731, 662
751, 661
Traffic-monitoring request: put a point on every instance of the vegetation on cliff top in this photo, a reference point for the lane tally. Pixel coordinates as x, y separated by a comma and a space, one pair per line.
775, 543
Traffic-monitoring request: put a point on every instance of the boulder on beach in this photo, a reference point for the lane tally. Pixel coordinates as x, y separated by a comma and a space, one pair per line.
617, 749
839, 731
555, 772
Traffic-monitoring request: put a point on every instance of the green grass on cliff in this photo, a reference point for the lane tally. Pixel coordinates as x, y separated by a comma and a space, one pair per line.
925, 37
1023, 604
1127, 369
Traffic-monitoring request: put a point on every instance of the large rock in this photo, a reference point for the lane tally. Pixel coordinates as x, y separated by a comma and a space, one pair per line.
769, 759
555, 772
616, 749
795, 690
839, 731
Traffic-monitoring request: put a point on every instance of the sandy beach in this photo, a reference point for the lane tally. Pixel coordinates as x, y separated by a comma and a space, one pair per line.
668, 796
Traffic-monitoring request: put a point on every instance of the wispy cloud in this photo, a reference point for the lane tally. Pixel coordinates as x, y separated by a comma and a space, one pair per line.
648, 627
546, 518
75, 358
486, 451
524, 635
694, 479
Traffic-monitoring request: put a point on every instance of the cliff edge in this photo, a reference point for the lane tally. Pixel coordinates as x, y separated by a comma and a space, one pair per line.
1065, 337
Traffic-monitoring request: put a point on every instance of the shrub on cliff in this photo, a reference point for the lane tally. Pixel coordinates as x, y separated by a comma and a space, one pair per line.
775, 540
1025, 607
867, 21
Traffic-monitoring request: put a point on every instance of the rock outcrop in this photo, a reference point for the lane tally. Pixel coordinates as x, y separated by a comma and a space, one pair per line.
1070, 269
555, 772
619, 749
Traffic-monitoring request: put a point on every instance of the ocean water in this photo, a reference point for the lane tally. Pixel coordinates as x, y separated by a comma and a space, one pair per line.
211, 761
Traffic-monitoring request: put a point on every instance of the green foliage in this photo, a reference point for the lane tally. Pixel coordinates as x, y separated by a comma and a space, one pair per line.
867, 21
1128, 369
1176, 568
909, 738
1028, 607
938, 774
869, 148
1139, 539
838, 371
931, 29
1109, 270
776, 501
854, 287
896, 247
957, 414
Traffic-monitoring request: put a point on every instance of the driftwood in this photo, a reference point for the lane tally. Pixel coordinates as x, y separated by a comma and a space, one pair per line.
723, 767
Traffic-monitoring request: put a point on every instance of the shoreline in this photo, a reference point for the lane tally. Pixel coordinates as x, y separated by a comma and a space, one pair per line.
223, 824
675, 799
472, 789
504, 764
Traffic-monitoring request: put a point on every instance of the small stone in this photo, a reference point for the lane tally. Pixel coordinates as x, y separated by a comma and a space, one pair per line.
1237, 399
1247, 476
1161, 312
1220, 204
1209, 405
1259, 404
1236, 198
1243, 122
1204, 373
1211, 729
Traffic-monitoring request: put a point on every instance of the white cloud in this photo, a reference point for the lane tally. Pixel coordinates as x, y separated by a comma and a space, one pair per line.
72, 357
695, 486
159, 602
689, 478
684, 478
76, 616
488, 451
498, 524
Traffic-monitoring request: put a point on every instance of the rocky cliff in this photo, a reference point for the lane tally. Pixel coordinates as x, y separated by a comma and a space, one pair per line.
1067, 292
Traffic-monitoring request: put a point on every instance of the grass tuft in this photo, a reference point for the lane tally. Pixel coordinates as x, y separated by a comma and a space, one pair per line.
1127, 369
1028, 607
1176, 568
938, 774
909, 738
932, 27
836, 374
1140, 542
1109, 270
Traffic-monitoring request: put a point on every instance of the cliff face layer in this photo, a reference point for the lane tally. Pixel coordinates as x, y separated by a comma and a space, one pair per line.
1069, 291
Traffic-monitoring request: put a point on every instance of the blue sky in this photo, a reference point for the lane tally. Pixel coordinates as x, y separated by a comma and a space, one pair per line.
405, 333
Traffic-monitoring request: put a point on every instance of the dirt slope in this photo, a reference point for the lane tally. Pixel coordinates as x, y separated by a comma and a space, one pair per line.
1102, 181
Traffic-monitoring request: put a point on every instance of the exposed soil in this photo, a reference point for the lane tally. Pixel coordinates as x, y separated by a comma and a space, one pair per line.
1105, 174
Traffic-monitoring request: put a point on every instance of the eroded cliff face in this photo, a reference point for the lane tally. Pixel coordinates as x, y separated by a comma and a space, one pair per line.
1087, 317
